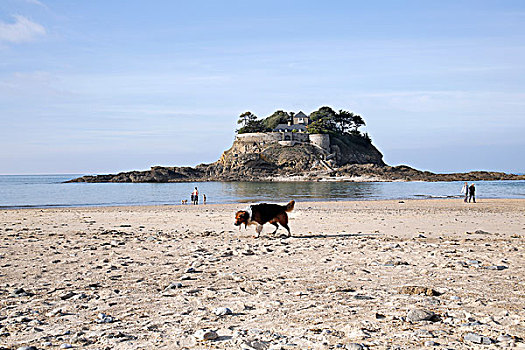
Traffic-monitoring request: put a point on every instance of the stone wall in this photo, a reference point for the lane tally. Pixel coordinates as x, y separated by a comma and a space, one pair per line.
264, 137
259, 137
320, 140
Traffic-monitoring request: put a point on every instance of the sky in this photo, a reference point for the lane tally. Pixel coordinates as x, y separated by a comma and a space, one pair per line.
104, 86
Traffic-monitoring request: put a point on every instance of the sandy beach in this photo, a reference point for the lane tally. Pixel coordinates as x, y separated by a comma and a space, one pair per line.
172, 277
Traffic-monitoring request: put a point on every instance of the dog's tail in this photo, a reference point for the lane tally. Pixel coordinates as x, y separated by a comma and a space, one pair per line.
289, 206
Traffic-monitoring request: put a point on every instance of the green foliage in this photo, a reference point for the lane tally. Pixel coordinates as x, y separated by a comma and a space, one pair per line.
326, 121
323, 121
278, 117
246, 117
252, 126
250, 123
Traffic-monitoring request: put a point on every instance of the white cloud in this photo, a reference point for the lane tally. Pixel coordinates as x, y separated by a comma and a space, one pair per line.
35, 2
21, 30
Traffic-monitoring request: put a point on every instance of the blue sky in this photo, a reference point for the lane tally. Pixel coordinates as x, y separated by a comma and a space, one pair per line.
108, 86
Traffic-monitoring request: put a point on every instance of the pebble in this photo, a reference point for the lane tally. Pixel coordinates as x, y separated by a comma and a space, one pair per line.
205, 334
20, 292
354, 346
54, 312
103, 318
255, 345
477, 339
66, 346
173, 285
504, 338
423, 333
496, 267
430, 343
27, 348
418, 315
67, 295
221, 311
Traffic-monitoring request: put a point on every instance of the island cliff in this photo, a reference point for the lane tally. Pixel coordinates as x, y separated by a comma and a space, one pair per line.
326, 145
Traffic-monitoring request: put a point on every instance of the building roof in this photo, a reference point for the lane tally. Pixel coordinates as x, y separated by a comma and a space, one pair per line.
300, 115
289, 128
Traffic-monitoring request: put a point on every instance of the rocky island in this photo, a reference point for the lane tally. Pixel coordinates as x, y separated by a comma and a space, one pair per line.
324, 146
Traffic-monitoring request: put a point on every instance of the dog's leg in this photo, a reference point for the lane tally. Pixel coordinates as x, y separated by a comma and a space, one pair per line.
276, 227
258, 230
283, 220
287, 228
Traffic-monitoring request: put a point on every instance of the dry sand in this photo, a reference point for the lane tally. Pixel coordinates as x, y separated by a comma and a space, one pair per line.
152, 277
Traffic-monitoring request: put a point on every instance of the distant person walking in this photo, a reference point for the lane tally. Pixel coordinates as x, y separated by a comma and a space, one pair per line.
464, 190
472, 193
203, 198
195, 195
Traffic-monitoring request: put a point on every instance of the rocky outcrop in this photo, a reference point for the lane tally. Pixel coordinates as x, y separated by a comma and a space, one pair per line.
262, 158
405, 173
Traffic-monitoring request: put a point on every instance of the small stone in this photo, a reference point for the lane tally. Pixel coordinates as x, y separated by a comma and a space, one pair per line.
20, 292
27, 348
196, 264
504, 338
430, 343
66, 346
103, 318
477, 339
54, 312
354, 346
497, 267
418, 315
205, 334
190, 270
173, 285
423, 333
362, 297
222, 311
67, 295
255, 345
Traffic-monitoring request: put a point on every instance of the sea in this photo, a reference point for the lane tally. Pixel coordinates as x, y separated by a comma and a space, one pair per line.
43, 191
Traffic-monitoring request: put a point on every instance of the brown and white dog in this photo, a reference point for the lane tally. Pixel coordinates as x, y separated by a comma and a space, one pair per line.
260, 214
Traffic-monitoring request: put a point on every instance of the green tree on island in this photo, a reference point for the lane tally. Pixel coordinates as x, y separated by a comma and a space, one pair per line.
250, 123
278, 117
323, 121
327, 121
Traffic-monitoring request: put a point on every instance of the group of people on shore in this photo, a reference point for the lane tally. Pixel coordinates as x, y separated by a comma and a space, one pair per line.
469, 192
195, 197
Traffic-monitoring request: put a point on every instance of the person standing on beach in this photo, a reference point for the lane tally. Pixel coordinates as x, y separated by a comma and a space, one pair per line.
195, 195
472, 193
464, 190
203, 198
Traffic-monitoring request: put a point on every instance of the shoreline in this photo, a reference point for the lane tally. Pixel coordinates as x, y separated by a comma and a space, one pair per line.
178, 206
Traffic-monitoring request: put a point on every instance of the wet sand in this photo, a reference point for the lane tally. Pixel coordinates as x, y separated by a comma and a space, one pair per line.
152, 277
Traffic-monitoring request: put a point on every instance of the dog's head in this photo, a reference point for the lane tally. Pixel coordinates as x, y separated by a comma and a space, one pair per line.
242, 217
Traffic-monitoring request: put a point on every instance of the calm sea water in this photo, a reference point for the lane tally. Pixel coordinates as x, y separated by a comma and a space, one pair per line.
49, 190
